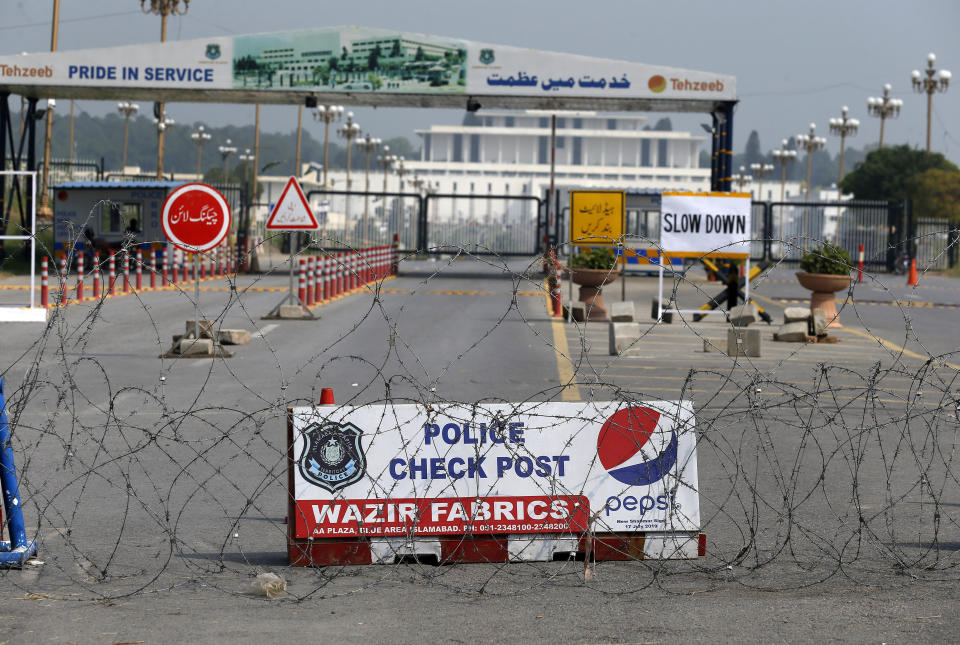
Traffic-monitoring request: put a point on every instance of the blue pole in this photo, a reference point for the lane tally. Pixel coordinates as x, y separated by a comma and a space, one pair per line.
19, 549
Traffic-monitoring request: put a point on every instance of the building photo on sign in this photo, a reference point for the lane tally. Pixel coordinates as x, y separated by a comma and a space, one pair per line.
495, 469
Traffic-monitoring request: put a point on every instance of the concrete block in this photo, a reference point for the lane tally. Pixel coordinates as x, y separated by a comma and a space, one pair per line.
667, 316
744, 315
233, 337
794, 332
206, 328
818, 322
622, 336
290, 311
194, 347
742, 341
711, 345
578, 310
622, 312
795, 314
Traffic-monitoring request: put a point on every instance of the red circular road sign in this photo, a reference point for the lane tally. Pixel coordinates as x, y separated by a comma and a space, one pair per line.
195, 217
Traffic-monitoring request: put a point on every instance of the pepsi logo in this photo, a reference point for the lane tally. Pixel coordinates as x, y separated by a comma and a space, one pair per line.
619, 445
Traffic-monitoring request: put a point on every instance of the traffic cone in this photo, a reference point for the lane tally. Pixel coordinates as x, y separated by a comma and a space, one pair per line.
326, 396
912, 280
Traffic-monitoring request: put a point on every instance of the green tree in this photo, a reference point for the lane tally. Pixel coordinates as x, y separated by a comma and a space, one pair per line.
886, 173
936, 194
419, 55
395, 50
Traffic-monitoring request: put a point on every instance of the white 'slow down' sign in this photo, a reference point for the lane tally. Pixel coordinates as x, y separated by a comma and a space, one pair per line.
698, 224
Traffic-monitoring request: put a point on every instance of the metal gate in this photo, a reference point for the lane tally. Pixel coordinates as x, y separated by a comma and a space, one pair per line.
343, 215
482, 224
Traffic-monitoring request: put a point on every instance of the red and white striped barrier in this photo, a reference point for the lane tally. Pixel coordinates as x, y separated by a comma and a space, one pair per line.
153, 269
303, 280
860, 264
126, 271
63, 281
80, 267
139, 270
310, 282
113, 274
95, 269
44, 284
557, 296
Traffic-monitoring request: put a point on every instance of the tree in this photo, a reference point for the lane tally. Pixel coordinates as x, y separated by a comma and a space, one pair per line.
395, 51
663, 125
419, 56
886, 173
936, 194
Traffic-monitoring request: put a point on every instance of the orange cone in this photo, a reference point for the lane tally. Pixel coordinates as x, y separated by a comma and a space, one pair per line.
326, 396
912, 280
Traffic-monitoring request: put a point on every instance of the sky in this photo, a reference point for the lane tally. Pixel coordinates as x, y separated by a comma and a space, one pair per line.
795, 62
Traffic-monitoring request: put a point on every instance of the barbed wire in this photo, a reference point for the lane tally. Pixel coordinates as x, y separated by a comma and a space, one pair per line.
141, 474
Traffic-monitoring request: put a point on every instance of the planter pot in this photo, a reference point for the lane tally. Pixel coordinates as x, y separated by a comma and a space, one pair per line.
591, 283
824, 286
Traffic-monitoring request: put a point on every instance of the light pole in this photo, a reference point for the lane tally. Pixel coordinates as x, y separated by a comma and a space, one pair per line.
785, 157
349, 131
327, 114
127, 109
811, 143
884, 107
248, 156
401, 171
760, 170
164, 8
162, 125
200, 137
386, 160
844, 127
44, 200
741, 179
225, 152
368, 144
929, 85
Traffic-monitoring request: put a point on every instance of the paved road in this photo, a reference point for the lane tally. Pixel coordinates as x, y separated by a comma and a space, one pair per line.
159, 483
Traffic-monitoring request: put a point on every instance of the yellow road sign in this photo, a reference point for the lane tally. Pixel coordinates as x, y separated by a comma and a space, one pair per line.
597, 217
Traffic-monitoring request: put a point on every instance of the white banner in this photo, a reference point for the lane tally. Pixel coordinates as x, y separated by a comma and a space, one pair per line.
705, 223
494, 468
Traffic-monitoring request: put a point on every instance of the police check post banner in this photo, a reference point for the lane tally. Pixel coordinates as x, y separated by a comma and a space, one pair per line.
498, 468
702, 224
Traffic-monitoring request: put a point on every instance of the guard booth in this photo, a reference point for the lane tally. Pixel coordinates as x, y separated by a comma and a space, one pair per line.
109, 214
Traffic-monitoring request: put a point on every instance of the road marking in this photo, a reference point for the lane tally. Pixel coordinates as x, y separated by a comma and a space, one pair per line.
571, 392
265, 330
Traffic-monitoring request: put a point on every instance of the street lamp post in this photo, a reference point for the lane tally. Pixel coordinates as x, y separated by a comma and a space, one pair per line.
200, 138
225, 152
785, 157
844, 127
884, 107
349, 131
368, 144
162, 125
386, 160
163, 8
127, 109
327, 114
401, 171
248, 156
760, 170
741, 179
811, 143
929, 84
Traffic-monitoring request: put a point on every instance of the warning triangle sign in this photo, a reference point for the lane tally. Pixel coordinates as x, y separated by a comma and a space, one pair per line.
292, 212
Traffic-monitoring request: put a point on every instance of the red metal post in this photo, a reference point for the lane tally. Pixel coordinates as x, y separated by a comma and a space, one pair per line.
860, 264
395, 259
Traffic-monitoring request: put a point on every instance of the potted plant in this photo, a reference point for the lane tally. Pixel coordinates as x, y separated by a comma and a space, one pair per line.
592, 268
824, 271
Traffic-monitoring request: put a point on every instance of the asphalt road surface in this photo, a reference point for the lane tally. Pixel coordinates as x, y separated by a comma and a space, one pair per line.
156, 486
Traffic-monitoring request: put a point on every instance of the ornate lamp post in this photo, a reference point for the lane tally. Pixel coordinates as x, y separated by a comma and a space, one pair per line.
127, 109
327, 114
785, 157
349, 131
929, 84
741, 179
200, 137
163, 8
760, 170
162, 125
225, 152
368, 145
811, 143
884, 107
843, 127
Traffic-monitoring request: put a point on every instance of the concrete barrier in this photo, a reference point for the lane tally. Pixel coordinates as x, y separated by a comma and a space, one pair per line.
622, 337
622, 312
742, 341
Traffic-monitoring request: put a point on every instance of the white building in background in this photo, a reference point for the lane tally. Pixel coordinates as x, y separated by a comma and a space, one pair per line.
508, 153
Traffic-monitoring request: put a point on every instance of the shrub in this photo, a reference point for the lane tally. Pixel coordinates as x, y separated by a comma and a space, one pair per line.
827, 259
594, 258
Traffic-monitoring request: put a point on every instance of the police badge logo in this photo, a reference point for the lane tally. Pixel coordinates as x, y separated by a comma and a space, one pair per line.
332, 456
213, 51
486, 56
